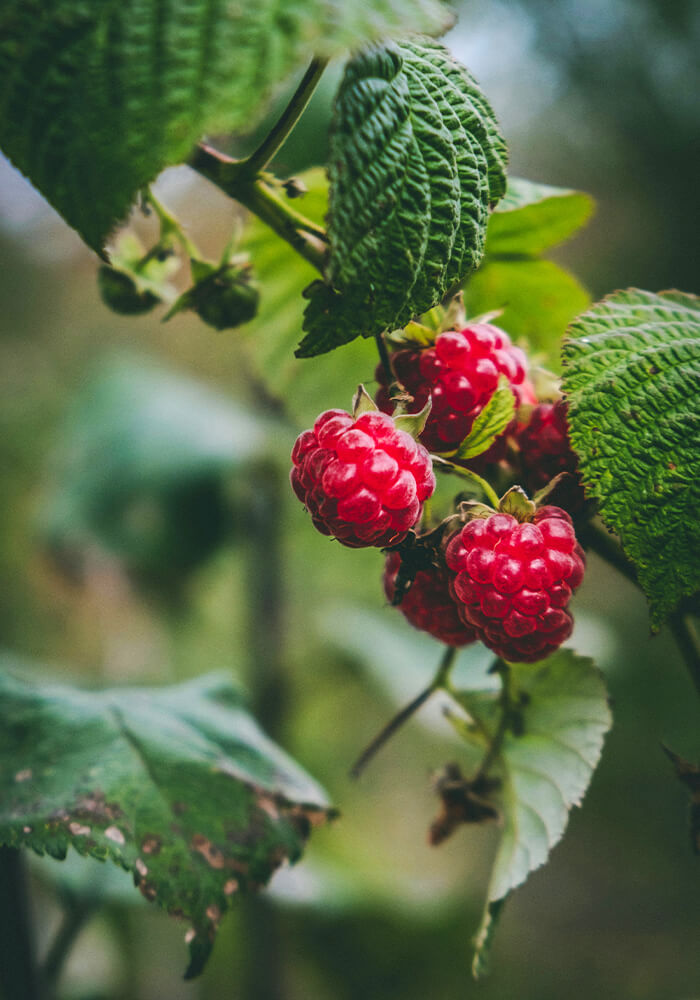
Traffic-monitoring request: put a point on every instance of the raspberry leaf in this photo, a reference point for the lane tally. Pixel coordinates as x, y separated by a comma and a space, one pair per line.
97, 98
177, 785
631, 371
546, 738
538, 298
490, 423
416, 161
532, 218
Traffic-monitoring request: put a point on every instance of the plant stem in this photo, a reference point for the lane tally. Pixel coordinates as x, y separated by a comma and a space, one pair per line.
19, 976
686, 636
258, 196
494, 747
170, 226
267, 149
262, 974
77, 913
595, 537
388, 731
444, 465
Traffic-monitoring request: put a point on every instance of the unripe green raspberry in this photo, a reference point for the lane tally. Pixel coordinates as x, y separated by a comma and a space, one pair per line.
119, 291
225, 300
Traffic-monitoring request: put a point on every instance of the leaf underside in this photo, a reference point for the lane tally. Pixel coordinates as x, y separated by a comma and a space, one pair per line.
545, 764
632, 380
416, 161
97, 98
177, 785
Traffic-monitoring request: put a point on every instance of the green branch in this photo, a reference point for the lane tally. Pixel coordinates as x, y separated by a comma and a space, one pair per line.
259, 197
19, 976
270, 145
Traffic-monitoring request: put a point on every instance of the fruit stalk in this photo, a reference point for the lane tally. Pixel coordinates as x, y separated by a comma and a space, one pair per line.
405, 714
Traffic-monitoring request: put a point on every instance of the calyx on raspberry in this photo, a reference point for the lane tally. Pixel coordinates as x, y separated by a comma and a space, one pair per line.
428, 603
362, 480
460, 373
513, 577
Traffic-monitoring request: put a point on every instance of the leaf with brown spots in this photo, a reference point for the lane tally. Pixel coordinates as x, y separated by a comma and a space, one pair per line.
177, 785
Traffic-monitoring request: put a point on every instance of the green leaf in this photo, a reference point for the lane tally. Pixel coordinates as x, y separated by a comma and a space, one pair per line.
140, 466
97, 98
631, 373
531, 218
177, 785
538, 299
416, 160
490, 424
557, 719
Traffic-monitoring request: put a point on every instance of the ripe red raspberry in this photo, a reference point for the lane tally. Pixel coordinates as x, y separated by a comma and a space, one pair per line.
363, 481
514, 580
428, 604
544, 445
461, 373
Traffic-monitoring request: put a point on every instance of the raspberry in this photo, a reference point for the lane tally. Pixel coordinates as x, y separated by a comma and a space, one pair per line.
544, 445
513, 581
363, 481
428, 604
460, 373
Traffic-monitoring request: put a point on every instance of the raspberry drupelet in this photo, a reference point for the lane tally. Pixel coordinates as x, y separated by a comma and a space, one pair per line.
461, 374
513, 581
363, 481
544, 445
428, 604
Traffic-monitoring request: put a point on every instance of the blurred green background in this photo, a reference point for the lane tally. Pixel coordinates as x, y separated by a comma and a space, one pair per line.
212, 563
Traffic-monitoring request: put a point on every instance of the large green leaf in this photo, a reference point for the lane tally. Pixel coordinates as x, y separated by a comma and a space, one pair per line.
416, 161
97, 98
631, 377
140, 467
177, 785
538, 298
557, 719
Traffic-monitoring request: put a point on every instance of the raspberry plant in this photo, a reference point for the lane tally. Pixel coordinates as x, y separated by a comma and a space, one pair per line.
411, 241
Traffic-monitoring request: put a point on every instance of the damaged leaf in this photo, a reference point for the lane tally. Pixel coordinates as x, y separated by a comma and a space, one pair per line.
177, 785
462, 801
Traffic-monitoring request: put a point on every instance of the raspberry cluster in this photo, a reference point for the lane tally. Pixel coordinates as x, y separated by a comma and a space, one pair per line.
513, 581
363, 481
544, 445
460, 373
428, 604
